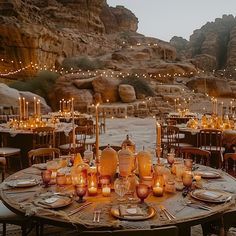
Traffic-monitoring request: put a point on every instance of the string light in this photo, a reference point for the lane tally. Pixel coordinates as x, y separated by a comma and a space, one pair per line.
36, 67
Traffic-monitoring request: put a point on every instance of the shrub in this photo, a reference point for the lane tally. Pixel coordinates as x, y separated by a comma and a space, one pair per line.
41, 84
84, 63
141, 85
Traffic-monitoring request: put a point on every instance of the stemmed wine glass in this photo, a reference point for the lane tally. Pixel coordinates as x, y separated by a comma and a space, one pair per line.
46, 177
142, 191
80, 190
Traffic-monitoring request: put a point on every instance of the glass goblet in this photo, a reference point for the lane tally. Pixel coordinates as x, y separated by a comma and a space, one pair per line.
46, 177
187, 179
80, 190
121, 187
170, 158
142, 191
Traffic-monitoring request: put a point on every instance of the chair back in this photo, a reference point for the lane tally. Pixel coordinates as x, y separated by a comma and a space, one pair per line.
230, 166
41, 155
198, 155
210, 139
162, 231
43, 137
172, 137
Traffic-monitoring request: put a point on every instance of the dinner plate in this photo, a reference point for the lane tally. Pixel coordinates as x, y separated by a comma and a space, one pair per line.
213, 196
40, 166
133, 212
208, 174
53, 201
22, 183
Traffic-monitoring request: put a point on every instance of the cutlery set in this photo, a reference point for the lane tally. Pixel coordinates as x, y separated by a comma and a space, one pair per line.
80, 208
96, 216
168, 215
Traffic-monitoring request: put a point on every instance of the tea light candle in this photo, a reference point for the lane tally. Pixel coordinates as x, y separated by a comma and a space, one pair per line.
197, 178
92, 190
106, 191
158, 190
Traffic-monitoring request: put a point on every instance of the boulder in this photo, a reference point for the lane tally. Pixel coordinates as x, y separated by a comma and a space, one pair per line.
127, 93
107, 87
83, 83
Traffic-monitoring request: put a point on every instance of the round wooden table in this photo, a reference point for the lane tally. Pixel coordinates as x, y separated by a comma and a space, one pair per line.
20, 200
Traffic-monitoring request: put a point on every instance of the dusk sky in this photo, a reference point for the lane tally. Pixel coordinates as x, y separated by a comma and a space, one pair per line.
164, 19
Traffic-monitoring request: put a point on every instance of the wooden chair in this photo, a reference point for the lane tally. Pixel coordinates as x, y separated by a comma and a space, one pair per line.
211, 140
102, 121
77, 145
90, 137
162, 231
230, 167
198, 155
41, 155
3, 164
173, 139
43, 137
9, 217
9, 152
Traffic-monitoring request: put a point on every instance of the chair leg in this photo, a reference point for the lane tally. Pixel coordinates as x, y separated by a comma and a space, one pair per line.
4, 229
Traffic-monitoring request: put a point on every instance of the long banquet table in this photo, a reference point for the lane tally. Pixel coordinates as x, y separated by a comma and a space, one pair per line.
20, 200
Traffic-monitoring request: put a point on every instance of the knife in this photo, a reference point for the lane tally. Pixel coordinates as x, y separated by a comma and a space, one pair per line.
198, 206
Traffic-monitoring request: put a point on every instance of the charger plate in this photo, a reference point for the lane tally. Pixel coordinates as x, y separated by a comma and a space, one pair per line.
147, 212
208, 174
22, 183
53, 201
213, 196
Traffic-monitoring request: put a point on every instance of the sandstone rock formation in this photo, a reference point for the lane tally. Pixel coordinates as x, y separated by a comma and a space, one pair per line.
9, 98
127, 93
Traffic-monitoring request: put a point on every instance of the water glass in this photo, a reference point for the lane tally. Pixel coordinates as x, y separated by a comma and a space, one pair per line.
46, 177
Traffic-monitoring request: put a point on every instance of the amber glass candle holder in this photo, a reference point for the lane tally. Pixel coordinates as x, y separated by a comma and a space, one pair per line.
188, 163
46, 177
80, 190
61, 179
142, 191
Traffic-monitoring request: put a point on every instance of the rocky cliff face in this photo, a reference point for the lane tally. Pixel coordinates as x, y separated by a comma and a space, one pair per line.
215, 42
44, 31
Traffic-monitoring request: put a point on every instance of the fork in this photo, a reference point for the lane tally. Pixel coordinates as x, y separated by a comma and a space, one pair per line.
96, 216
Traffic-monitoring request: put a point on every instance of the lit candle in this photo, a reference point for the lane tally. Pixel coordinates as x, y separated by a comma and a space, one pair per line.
73, 123
197, 177
222, 109
35, 106
158, 133
23, 99
27, 110
106, 191
39, 108
60, 106
231, 107
97, 133
158, 190
20, 108
216, 106
175, 105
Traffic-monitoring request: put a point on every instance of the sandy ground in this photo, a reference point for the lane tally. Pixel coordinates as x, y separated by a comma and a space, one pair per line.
141, 131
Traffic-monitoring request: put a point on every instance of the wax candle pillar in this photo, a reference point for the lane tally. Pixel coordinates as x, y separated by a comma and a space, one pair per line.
23, 101
60, 106
39, 107
27, 110
35, 106
20, 108
158, 140
97, 133
73, 123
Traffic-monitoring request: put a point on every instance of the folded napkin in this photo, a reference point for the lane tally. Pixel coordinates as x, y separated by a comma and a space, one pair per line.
209, 195
55, 202
131, 210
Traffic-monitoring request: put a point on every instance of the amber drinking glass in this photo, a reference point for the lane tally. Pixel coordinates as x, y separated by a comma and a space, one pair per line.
142, 191
80, 190
46, 177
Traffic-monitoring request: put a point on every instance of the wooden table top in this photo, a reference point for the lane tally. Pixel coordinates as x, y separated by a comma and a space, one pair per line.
20, 200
